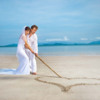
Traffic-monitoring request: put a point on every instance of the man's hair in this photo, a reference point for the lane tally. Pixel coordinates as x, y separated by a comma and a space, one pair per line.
27, 28
34, 26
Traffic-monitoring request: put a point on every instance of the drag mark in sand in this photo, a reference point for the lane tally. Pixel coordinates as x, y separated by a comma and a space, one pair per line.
67, 88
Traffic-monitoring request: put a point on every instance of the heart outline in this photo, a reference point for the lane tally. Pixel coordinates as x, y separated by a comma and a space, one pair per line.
68, 87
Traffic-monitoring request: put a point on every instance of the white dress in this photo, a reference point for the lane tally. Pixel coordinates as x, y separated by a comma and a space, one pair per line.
33, 42
22, 57
23, 68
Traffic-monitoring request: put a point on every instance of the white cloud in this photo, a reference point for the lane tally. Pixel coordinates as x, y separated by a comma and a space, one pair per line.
54, 39
84, 39
66, 38
58, 39
98, 38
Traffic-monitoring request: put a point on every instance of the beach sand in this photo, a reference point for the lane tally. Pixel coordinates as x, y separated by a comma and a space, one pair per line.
81, 79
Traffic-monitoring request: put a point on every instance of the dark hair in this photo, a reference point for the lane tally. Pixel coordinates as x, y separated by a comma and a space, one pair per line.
27, 28
34, 26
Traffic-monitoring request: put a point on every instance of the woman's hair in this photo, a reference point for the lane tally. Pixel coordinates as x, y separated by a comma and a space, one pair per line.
34, 26
27, 28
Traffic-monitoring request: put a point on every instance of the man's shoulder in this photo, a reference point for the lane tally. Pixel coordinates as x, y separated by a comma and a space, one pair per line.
35, 35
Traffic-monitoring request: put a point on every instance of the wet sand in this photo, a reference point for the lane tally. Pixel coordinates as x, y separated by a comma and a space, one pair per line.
81, 79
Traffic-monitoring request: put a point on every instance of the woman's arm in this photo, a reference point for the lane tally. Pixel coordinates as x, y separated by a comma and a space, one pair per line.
27, 45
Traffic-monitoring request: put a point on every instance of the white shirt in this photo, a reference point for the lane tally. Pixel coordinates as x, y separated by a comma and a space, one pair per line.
33, 42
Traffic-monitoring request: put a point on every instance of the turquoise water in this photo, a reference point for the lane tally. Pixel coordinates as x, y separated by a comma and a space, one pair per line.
58, 50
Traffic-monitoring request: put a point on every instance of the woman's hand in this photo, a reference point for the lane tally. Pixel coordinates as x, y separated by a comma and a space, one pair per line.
26, 46
33, 52
36, 54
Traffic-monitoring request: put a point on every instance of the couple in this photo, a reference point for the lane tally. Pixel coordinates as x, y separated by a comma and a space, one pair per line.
27, 49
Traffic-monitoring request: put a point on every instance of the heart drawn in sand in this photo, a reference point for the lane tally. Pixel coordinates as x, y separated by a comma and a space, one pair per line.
65, 84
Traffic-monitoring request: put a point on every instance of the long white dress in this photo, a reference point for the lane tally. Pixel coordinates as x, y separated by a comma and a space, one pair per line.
23, 68
33, 42
22, 57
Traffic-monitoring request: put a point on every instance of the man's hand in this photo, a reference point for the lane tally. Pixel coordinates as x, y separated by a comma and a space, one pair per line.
36, 54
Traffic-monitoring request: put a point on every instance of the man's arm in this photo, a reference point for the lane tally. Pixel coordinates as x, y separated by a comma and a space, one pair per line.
36, 45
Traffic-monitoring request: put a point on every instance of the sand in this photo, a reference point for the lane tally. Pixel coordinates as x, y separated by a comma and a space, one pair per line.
81, 79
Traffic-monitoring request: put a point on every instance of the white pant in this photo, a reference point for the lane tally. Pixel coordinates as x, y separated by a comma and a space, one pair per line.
32, 61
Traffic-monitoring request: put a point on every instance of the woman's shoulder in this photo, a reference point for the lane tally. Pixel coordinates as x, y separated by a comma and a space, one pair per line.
23, 36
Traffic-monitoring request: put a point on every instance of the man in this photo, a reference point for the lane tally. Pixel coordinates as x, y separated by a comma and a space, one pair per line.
32, 41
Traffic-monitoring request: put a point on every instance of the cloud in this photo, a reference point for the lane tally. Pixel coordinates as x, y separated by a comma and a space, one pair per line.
98, 38
54, 39
66, 38
58, 39
84, 39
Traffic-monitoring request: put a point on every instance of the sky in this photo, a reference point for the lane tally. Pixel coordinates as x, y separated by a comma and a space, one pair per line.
58, 20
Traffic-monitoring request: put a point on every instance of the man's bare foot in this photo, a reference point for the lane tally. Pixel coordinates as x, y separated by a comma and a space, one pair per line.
34, 73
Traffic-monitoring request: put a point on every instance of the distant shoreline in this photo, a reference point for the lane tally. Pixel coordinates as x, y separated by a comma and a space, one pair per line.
55, 45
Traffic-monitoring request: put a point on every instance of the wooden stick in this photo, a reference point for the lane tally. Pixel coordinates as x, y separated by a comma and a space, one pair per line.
48, 66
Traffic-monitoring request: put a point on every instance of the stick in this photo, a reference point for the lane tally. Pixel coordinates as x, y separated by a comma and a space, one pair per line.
48, 66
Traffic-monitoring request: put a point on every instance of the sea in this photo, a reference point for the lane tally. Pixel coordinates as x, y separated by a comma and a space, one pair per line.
74, 50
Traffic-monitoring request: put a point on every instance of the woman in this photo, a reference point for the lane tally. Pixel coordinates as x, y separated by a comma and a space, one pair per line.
23, 68
21, 54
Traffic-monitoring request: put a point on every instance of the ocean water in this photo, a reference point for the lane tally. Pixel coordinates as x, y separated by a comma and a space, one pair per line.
58, 50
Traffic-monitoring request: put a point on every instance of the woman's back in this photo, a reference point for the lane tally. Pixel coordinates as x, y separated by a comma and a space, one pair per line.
21, 43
